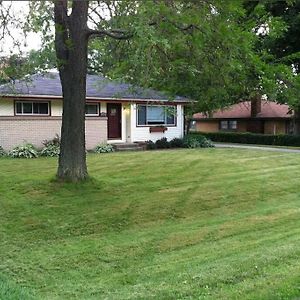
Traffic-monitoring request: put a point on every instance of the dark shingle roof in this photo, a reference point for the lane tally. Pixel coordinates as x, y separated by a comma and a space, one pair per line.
97, 87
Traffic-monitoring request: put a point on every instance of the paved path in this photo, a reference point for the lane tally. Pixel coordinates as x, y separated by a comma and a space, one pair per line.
264, 148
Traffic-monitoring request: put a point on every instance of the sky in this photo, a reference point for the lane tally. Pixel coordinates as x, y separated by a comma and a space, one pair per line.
33, 40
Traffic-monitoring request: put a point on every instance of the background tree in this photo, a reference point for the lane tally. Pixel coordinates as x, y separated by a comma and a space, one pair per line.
277, 25
205, 50
208, 51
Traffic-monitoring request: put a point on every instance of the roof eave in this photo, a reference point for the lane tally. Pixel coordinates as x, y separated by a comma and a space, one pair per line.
106, 99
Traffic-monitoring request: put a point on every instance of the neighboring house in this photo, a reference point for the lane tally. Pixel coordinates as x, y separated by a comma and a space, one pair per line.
258, 116
31, 111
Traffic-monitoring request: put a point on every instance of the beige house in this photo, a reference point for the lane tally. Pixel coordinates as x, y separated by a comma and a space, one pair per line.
31, 111
258, 116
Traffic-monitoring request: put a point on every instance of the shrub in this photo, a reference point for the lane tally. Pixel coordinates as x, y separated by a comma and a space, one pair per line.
55, 141
162, 143
198, 141
2, 152
104, 148
150, 145
24, 151
51, 147
187, 142
252, 138
176, 143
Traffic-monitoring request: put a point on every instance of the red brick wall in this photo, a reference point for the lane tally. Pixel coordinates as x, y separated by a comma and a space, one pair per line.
209, 126
275, 127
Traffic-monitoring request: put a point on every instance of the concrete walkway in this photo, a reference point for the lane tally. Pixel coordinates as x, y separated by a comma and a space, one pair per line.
263, 148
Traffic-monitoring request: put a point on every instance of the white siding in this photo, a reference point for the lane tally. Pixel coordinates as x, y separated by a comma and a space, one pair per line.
127, 109
124, 123
141, 134
56, 108
7, 108
103, 107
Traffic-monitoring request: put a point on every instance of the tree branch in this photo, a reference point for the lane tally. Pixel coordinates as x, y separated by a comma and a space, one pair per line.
118, 34
187, 28
61, 33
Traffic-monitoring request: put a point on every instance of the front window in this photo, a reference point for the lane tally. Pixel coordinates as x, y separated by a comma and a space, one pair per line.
92, 109
32, 108
228, 125
148, 115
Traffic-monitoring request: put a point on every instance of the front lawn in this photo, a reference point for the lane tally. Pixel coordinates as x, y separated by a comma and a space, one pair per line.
178, 224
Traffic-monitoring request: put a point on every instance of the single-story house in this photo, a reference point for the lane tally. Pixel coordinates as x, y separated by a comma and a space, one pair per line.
256, 116
31, 111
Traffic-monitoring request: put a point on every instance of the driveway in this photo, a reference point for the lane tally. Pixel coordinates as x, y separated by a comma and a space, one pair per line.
263, 148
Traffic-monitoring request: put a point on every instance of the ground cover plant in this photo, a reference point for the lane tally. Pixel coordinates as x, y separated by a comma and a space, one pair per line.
25, 150
2, 152
176, 224
51, 147
104, 148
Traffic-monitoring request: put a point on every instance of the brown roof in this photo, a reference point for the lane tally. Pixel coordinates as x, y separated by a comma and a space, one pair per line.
269, 109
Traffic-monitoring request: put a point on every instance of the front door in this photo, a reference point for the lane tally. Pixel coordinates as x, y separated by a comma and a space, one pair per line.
114, 120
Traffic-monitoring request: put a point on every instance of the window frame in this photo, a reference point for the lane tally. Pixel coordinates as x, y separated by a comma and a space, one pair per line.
32, 103
98, 109
229, 125
165, 116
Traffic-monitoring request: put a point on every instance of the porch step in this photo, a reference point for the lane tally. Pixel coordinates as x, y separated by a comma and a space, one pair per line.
128, 147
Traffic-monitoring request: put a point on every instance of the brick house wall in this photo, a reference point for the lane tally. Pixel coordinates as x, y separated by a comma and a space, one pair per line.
15, 130
275, 127
209, 126
266, 126
214, 126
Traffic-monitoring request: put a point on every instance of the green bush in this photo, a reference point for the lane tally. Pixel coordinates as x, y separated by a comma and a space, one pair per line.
186, 142
104, 148
176, 143
2, 152
150, 145
162, 143
51, 147
252, 138
24, 151
199, 141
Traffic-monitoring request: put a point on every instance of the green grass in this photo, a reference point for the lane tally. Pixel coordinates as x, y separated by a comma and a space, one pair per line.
178, 224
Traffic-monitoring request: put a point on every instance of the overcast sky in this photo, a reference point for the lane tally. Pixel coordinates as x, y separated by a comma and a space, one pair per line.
33, 41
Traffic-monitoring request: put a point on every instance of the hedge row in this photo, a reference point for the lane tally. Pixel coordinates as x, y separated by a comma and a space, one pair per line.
252, 138
188, 141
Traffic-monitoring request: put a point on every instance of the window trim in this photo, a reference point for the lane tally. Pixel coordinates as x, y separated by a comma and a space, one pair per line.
229, 128
156, 125
98, 109
32, 114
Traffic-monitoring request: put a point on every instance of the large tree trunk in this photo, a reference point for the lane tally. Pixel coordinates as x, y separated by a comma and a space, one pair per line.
71, 48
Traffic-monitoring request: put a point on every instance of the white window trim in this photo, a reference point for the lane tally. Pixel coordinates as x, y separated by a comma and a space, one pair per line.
31, 114
155, 125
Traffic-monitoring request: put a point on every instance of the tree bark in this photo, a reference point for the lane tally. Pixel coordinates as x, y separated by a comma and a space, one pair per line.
71, 42
71, 45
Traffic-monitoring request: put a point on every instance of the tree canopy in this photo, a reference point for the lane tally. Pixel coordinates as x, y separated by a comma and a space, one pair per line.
212, 51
